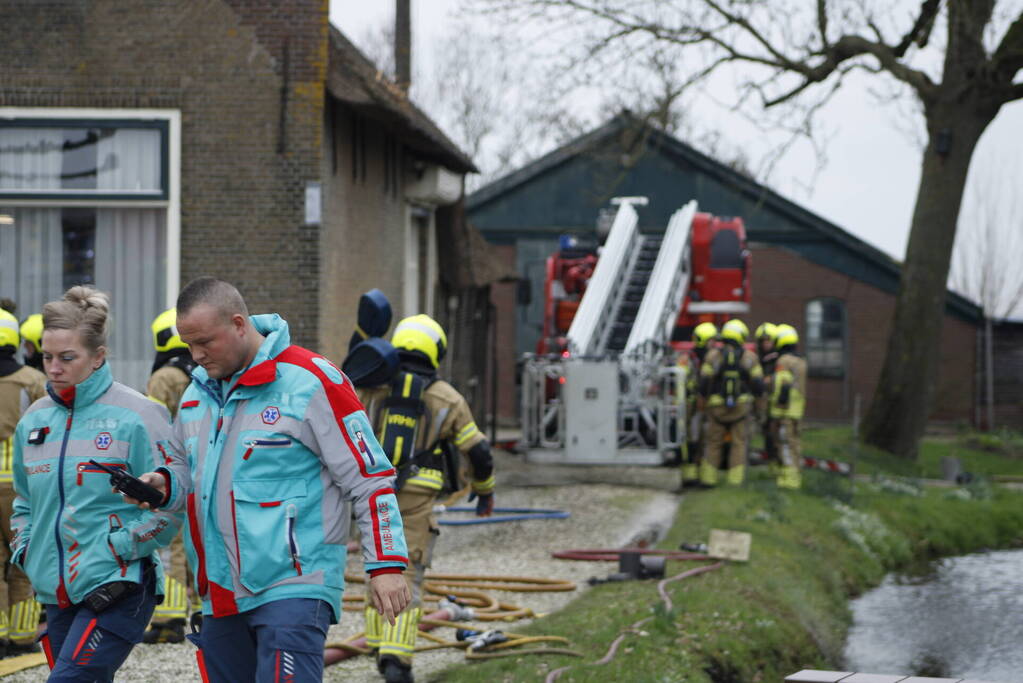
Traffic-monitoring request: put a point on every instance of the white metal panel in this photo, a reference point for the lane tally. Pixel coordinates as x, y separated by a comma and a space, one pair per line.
591, 408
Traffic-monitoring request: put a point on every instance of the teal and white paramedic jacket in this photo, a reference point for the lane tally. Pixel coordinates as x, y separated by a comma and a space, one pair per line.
71, 532
277, 461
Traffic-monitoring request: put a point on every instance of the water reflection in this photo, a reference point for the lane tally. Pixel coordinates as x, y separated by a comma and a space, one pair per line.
961, 616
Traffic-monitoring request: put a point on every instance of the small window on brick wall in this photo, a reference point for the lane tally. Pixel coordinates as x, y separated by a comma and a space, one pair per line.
826, 337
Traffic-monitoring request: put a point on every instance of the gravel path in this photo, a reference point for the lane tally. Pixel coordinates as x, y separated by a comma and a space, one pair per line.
603, 515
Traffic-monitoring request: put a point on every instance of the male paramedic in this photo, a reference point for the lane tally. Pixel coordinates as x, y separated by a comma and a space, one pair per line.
278, 454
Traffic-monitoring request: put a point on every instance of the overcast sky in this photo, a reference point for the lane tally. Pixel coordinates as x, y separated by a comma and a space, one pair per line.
869, 183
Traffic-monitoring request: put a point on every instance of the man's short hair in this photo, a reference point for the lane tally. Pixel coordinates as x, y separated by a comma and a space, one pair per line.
222, 296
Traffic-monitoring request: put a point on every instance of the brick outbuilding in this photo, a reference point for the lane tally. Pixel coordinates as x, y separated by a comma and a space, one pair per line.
837, 290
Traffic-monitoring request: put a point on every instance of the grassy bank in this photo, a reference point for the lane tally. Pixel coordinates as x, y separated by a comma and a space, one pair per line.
787, 608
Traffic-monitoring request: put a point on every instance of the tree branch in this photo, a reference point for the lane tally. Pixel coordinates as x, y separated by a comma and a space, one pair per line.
1008, 56
1013, 92
921, 30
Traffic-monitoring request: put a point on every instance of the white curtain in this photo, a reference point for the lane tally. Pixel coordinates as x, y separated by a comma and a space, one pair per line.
30, 158
31, 258
131, 266
129, 160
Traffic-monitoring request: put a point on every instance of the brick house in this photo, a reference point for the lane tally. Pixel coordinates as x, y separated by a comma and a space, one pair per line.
835, 289
146, 143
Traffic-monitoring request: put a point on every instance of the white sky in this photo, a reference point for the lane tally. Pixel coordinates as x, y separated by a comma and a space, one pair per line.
869, 184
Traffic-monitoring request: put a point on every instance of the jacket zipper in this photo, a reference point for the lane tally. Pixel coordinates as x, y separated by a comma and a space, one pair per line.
291, 514
253, 444
60, 515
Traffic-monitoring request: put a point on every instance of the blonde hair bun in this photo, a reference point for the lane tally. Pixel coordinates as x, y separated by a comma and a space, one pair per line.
82, 308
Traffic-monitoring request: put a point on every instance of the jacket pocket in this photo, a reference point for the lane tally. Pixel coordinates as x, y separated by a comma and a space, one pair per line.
266, 530
86, 468
115, 526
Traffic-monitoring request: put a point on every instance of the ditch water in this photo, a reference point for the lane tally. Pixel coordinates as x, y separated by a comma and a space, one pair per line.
960, 617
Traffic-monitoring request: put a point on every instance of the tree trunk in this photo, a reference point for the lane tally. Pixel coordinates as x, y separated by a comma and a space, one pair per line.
902, 401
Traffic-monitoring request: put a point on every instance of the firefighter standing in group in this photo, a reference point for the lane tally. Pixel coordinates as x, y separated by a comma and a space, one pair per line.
414, 418
32, 341
787, 404
730, 381
20, 387
764, 337
703, 335
171, 375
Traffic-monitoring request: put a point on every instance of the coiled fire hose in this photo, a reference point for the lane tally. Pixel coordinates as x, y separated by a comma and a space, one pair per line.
472, 604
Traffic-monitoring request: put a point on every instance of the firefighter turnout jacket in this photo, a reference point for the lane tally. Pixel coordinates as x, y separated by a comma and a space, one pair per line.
445, 417
276, 461
788, 387
18, 391
167, 384
730, 375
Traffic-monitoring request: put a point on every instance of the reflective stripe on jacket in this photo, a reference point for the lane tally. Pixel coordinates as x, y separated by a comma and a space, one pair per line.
789, 383
72, 533
273, 473
18, 391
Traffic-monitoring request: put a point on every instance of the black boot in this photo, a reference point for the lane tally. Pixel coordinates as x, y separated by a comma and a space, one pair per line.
172, 631
394, 671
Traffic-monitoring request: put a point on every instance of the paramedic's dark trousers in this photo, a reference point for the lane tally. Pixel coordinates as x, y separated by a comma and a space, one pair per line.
280, 641
81, 645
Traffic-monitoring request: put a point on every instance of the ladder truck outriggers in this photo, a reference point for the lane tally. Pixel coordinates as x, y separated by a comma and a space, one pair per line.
604, 386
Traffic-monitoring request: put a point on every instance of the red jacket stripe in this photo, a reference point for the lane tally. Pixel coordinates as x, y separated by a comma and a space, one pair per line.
341, 397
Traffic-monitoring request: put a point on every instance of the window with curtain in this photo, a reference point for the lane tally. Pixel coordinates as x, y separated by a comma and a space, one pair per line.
104, 160
47, 246
826, 337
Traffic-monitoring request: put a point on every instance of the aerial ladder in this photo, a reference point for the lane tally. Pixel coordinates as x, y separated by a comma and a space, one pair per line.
613, 395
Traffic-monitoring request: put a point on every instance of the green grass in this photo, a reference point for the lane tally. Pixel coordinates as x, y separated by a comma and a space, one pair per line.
786, 609
981, 454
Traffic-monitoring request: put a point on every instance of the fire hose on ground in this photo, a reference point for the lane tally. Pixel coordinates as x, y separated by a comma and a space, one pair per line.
459, 602
632, 558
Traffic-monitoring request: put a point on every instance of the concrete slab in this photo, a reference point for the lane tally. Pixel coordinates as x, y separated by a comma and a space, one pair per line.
815, 676
874, 678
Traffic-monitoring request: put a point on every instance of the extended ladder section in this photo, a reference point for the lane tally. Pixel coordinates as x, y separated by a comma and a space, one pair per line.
665, 287
605, 290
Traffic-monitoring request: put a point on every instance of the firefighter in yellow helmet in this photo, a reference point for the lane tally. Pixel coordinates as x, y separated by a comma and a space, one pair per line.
171, 375
20, 387
764, 337
417, 417
703, 337
787, 404
730, 381
32, 341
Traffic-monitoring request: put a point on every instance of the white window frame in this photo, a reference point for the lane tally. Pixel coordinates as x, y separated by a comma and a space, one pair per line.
410, 272
172, 204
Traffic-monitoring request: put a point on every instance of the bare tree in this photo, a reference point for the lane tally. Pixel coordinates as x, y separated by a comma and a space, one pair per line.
958, 58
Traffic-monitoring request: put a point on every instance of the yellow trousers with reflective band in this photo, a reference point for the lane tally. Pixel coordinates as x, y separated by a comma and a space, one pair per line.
175, 600
415, 503
789, 447
722, 420
19, 611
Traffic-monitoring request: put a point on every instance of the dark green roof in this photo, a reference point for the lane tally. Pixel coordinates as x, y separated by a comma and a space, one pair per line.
564, 191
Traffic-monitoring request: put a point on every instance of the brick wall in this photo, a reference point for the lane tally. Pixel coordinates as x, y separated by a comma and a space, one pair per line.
248, 78
783, 282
